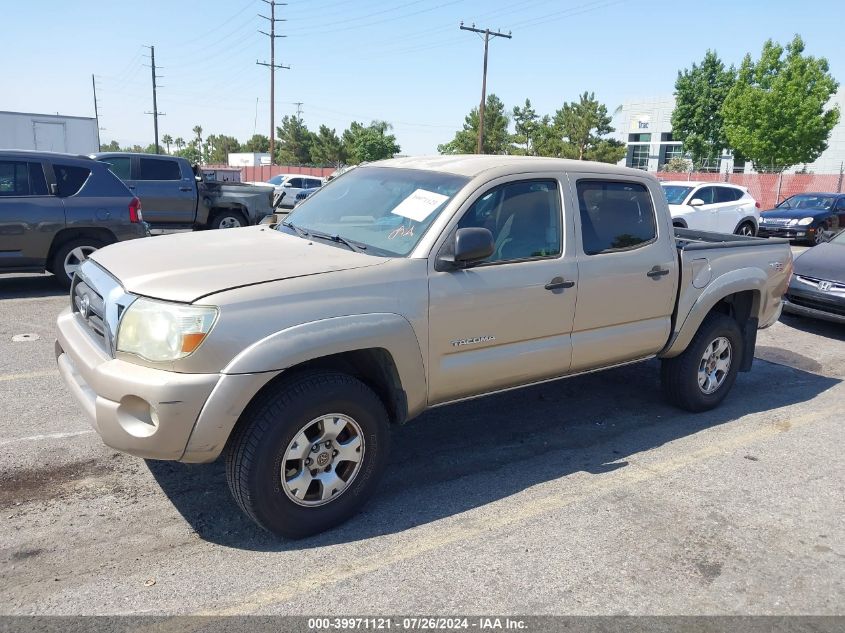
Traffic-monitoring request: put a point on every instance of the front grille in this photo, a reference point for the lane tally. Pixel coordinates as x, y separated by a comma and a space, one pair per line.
89, 305
780, 221
814, 281
815, 304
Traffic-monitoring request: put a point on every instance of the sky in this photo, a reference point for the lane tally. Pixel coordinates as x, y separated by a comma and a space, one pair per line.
406, 62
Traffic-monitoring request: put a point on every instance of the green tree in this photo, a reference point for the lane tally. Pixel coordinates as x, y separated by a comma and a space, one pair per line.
775, 112
168, 141
179, 142
526, 124
582, 124
257, 143
697, 121
219, 146
112, 146
191, 152
497, 139
150, 149
294, 142
198, 141
327, 148
367, 143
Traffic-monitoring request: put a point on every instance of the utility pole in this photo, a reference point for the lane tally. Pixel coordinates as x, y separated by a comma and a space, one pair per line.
298, 105
487, 33
272, 66
96, 112
155, 111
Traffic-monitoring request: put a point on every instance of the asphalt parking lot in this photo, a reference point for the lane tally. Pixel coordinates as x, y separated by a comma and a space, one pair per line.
585, 496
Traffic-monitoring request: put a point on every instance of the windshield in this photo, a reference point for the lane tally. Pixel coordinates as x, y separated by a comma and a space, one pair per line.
807, 201
276, 180
676, 194
385, 209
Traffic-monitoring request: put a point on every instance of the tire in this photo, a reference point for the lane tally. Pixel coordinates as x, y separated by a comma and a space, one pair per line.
818, 237
70, 255
268, 434
228, 220
680, 375
746, 229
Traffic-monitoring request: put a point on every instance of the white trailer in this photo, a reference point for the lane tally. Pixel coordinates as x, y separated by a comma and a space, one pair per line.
48, 132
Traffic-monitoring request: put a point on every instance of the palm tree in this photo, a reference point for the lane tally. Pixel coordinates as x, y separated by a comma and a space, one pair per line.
168, 141
198, 131
179, 143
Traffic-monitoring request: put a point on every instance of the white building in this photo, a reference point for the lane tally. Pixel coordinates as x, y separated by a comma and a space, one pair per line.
48, 132
645, 126
248, 159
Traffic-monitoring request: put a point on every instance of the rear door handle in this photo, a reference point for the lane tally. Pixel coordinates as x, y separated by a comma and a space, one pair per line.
559, 282
185, 189
132, 187
657, 271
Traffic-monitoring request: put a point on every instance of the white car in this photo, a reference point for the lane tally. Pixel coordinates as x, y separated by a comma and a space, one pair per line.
712, 206
292, 184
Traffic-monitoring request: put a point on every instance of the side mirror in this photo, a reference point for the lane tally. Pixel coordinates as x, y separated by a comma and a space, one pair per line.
696, 202
54, 189
471, 246
287, 184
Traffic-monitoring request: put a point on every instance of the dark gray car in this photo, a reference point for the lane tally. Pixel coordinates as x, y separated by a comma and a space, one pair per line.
56, 209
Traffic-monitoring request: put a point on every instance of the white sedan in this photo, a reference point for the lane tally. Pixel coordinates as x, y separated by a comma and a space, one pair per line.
712, 206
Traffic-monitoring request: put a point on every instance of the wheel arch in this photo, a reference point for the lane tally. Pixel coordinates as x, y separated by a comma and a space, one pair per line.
738, 294
751, 219
65, 235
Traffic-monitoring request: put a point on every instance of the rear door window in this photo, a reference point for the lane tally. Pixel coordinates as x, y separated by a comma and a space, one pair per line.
312, 183
70, 178
727, 194
20, 178
296, 183
159, 169
615, 215
119, 166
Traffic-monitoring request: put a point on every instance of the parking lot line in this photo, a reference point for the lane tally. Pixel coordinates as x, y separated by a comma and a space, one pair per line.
521, 511
46, 436
29, 374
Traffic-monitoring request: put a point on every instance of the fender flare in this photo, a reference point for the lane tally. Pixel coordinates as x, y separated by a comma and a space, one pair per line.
739, 280
316, 339
269, 357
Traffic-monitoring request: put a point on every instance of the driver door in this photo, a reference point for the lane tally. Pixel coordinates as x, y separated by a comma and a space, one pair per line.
507, 321
704, 215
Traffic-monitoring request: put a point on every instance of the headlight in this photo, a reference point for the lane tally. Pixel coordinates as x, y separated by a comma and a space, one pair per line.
792, 223
805, 221
160, 331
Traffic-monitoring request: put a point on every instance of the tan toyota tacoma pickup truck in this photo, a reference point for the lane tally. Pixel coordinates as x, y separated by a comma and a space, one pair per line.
401, 285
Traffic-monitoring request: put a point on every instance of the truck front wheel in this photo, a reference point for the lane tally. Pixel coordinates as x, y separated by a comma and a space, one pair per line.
309, 455
701, 377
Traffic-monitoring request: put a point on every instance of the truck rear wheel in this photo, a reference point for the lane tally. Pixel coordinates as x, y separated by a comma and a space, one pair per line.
309, 455
701, 377
227, 220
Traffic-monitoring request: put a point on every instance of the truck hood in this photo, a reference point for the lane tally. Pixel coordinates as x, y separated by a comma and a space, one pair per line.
188, 266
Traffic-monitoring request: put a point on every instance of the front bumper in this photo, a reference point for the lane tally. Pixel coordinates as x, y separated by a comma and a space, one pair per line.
146, 412
791, 233
814, 304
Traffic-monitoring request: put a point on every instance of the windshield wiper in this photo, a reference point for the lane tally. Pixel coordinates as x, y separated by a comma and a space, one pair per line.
353, 246
300, 232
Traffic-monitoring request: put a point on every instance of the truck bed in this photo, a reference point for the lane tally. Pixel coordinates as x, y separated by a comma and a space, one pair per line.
690, 240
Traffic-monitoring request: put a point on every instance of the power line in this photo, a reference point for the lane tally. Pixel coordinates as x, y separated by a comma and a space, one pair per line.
487, 33
272, 66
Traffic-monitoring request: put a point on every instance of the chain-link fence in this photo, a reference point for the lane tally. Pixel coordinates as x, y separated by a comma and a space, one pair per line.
768, 189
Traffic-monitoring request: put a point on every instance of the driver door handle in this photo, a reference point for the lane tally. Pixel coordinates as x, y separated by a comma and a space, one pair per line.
657, 271
559, 282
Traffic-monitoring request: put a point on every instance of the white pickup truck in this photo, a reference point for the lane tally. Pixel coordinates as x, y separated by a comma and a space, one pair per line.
401, 285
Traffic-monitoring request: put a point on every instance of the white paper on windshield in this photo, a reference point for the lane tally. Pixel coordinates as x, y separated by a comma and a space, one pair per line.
419, 205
